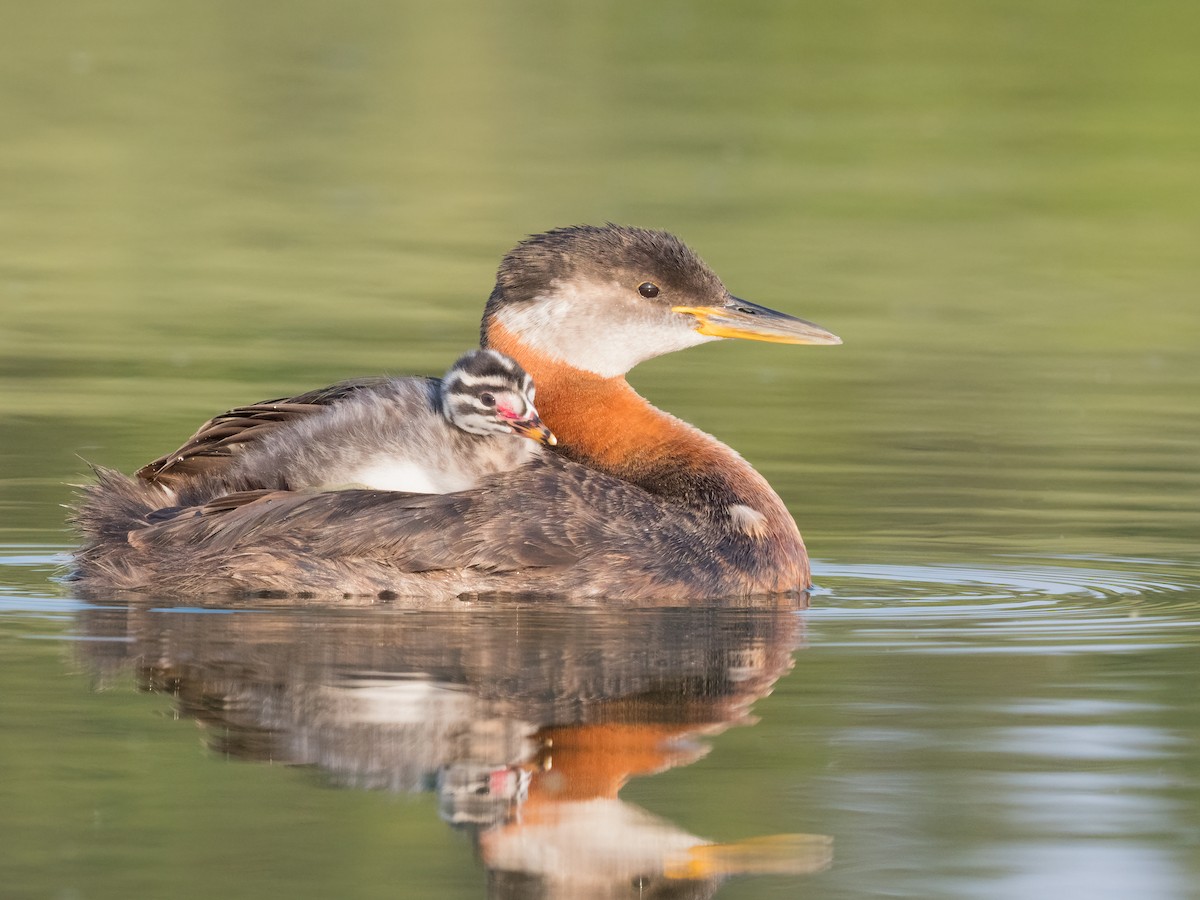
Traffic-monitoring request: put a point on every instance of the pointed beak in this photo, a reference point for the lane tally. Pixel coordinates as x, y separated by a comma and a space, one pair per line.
533, 429
743, 319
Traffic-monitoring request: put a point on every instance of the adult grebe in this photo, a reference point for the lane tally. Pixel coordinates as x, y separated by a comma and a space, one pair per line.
637, 506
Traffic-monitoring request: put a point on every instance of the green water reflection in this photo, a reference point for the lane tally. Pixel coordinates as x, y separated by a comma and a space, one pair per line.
997, 206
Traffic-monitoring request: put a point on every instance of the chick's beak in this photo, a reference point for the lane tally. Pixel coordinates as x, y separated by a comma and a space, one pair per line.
532, 428
743, 319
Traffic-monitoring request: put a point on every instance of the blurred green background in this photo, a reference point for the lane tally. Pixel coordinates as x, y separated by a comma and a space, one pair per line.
995, 204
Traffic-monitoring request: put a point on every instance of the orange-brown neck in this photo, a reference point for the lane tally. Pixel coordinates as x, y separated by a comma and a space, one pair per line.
606, 425
602, 421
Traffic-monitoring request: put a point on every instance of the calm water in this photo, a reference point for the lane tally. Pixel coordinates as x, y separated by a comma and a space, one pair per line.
993, 692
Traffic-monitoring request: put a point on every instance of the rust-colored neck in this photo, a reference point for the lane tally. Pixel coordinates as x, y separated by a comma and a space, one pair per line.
605, 424
602, 421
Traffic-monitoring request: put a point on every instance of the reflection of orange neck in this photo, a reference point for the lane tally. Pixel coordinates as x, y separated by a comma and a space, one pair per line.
589, 762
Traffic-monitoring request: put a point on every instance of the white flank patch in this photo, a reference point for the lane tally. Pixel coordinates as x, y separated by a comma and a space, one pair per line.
748, 520
389, 475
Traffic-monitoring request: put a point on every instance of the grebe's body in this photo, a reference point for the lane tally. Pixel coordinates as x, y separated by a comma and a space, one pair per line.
637, 505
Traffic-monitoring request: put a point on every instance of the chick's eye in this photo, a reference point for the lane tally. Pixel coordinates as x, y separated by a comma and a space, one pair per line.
487, 400
648, 289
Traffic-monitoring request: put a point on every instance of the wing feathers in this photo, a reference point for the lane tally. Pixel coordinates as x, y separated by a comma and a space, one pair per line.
210, 449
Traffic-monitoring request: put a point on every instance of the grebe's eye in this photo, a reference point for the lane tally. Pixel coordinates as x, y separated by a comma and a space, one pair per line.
487, 400
648, 289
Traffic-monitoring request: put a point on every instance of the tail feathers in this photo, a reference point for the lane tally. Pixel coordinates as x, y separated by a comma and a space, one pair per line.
115, 505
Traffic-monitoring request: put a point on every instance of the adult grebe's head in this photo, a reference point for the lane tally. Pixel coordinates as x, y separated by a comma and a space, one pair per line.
488, 393
604, 298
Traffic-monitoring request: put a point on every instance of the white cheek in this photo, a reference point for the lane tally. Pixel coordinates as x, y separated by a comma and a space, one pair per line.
597, 328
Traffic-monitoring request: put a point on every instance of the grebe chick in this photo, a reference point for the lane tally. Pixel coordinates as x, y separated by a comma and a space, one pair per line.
422, 435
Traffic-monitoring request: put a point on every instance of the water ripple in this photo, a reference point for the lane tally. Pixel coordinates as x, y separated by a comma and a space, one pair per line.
1076, 605
1037, 591
1012, 582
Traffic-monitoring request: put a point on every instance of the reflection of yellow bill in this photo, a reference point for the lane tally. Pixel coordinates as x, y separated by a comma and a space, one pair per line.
772, 854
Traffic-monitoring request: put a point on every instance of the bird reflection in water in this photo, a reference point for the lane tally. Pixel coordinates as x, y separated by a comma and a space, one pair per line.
527, 722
